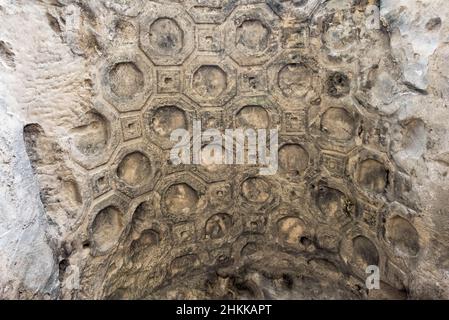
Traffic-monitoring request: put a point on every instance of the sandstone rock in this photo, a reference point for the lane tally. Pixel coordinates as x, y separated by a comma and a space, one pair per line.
92, 206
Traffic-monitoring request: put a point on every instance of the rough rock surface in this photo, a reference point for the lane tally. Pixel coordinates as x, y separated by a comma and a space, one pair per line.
91, 207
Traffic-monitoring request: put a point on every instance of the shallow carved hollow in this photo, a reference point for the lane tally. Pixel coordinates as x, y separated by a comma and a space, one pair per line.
126, 79
107, 228
181, 199
166, 36
333, 203
337, 84
255, 117
134, 169
209, 81
252, 36
293, 159
338, 123
167, 119
403, 236
372, 175
364, 253
91, 138
295, 80
256, 190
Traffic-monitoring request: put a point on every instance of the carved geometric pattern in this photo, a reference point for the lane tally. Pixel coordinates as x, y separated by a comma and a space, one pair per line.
249, 64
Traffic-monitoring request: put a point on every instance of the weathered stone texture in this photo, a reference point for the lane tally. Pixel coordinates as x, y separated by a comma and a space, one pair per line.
91, 207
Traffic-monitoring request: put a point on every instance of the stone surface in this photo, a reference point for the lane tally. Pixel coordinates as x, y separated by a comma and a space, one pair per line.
91, 206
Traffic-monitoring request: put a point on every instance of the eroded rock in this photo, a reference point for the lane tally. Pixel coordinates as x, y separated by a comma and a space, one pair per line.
92, 206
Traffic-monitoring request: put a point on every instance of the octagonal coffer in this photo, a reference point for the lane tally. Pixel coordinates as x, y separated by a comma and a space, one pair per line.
166, 34
294, 78
126, 80
252, 35
181, 196
162, 116
211, 80
107, 223
95, 136
137, 168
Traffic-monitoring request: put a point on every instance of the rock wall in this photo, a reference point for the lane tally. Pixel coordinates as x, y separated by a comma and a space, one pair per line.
91, 206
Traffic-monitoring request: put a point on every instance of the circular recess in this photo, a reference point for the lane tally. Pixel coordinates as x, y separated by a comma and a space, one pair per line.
107, 227
252, 36
209, 81
92, 137
181, 199
126, 79
332, 202
372, 175
167, 119
134, 169
337, 123
254, 117
256, 190
364, 253
403, 236
295, 80
293, 159
166, 36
